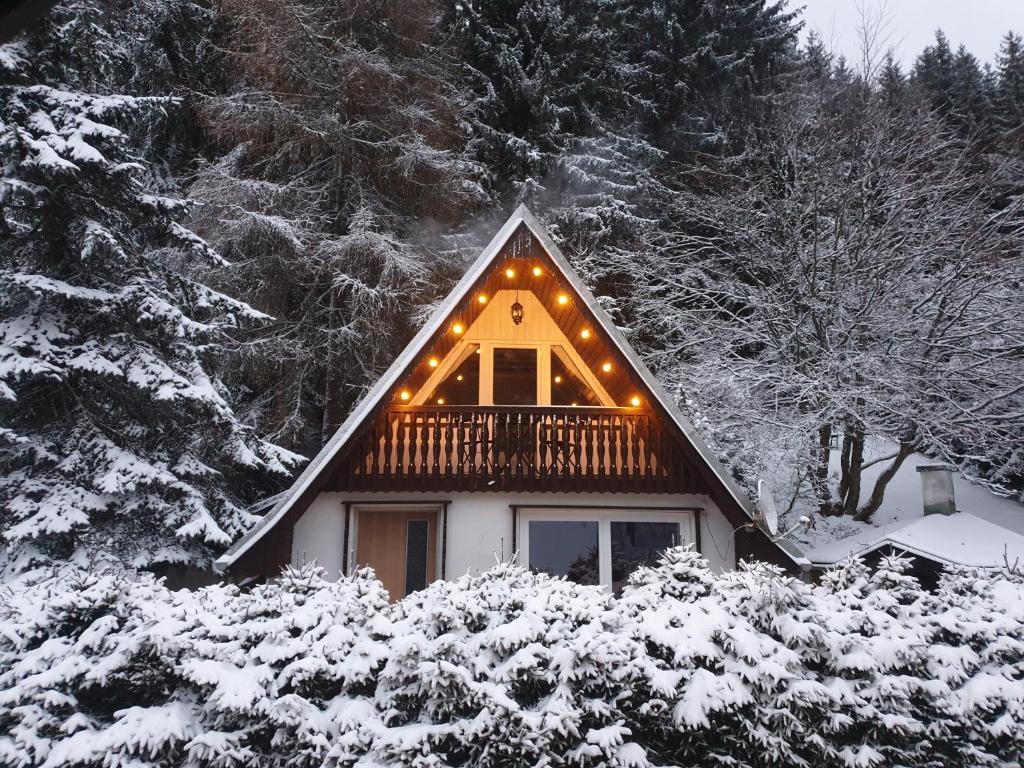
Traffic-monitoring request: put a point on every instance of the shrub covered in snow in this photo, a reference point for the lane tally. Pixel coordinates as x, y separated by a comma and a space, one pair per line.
507, 668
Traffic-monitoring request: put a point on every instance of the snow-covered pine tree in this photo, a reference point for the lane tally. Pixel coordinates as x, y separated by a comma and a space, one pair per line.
706, 66
116, 434
87, 671
975, 662
509, 668
341, 164
731, 660
286, 670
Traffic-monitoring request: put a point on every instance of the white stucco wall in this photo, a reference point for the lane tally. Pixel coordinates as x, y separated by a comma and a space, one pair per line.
319, 534
480, 525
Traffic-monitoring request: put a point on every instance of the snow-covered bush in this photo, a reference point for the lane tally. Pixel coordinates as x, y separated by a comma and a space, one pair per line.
508, 668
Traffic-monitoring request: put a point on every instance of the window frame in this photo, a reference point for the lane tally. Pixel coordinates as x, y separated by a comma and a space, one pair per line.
604, 517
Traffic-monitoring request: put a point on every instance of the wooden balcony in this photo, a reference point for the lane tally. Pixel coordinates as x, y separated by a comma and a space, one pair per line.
543, 448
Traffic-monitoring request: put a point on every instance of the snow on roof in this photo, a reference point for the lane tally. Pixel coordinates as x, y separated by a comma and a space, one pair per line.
958, 539
521, 215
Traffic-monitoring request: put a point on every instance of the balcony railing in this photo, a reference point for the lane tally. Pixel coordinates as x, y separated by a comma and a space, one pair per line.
435, 448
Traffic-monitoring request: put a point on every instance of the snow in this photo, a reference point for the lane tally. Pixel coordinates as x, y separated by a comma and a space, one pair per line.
959, 539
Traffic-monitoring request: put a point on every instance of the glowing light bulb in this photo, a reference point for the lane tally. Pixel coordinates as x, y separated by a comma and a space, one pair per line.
537, 271
458, 328
510, 273
459, 377
440, 401
563, 299
434, 362
635, 402
404, 394
482, 299
585, 333
574, 404
558, 379
607, 367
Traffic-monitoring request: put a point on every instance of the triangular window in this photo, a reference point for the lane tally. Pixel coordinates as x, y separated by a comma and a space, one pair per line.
462, 385
568, 386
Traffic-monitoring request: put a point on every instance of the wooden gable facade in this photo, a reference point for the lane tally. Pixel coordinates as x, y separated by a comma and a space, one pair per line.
415, 441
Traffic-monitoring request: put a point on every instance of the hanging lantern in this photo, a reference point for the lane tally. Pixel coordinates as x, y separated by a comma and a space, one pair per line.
517, 312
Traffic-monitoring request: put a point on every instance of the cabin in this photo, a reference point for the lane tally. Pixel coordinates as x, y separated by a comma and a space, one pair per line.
518, 422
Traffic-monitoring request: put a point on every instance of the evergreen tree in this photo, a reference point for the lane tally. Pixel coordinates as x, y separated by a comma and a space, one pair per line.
891, 80
815, 58
117, 434
707, 65
340, 157
1009, 98
934, 73
556, 120
970, 96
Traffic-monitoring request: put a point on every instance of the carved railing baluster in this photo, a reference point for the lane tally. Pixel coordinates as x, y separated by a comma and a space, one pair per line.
531, 448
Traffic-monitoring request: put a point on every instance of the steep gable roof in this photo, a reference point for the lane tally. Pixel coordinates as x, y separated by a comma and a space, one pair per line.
731, 493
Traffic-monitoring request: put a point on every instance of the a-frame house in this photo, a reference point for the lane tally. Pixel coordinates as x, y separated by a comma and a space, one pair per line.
518, 420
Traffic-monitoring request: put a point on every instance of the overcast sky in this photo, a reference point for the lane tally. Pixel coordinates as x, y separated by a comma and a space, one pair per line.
978, 24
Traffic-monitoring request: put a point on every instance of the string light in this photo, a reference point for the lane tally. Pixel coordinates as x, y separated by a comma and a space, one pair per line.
558, 379
537, 271
404, 394
434, 362
510, 273
459, 377
635, 402
458, 328
440, 401
607, 367
585, 333
563, 299
482, 298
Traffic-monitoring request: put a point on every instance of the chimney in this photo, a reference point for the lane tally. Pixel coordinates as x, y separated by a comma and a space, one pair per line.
937, 489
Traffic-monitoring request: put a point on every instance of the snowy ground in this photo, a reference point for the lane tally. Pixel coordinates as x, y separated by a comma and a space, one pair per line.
903, 505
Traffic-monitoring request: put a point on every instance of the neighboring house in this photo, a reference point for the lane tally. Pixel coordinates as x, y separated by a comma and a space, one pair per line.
517, 421
942, 537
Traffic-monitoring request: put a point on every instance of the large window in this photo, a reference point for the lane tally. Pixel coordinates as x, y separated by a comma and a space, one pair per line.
599, 546
565, 548
515, 376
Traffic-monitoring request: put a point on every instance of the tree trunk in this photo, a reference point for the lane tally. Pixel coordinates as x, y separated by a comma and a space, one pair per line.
878, 492
819, 471
844, 464
851, 493
331, 418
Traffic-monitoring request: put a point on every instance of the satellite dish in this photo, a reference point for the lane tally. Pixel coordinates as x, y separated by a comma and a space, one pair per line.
766, 507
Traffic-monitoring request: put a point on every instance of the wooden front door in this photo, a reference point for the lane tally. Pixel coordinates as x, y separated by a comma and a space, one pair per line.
400, 545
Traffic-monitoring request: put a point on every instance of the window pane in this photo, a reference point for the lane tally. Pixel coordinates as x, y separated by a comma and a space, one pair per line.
567, 386
416, 555
515, 376
461, 386
636, 544
565, 548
